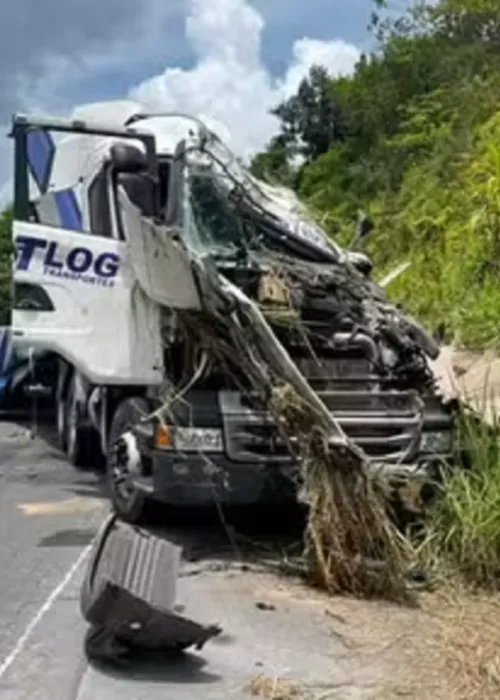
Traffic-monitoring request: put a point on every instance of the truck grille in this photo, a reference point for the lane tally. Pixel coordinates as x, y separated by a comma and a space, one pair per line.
387, 425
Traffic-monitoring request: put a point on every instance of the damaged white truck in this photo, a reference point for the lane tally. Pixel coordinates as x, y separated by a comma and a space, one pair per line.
127, 226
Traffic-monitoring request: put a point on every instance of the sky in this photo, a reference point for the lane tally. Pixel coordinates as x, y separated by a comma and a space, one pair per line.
228, 61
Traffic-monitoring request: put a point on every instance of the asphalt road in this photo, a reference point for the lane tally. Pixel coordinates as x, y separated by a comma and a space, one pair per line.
273, 628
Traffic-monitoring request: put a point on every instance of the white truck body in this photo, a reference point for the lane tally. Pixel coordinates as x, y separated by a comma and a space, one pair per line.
105, 294
115, 213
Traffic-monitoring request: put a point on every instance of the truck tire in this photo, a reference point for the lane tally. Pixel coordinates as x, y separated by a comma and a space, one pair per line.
129, 502
78, 440
62, 430
81, 441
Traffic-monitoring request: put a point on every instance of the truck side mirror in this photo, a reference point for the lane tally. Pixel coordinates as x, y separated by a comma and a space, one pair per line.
130, 171
128, 159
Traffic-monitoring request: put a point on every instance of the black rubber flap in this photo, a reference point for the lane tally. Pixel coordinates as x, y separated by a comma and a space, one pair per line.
129, 589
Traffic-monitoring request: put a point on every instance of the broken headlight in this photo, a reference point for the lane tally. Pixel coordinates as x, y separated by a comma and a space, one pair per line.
436, 442
189, 439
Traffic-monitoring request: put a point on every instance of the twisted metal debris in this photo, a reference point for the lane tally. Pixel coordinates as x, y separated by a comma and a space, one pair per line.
238, 316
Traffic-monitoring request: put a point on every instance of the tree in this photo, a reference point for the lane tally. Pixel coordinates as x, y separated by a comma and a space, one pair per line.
273, 165
311, 120
467, 21
413, 137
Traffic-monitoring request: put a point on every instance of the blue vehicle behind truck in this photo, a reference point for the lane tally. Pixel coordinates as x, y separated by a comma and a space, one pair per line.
25, 378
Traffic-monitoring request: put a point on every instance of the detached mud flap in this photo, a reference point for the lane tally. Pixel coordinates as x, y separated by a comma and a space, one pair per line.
128, 595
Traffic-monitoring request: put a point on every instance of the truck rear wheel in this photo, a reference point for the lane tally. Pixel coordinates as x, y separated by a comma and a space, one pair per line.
78, 438
129, 502
62, 432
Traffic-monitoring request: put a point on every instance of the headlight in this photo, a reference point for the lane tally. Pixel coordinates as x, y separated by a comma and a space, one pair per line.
198, 440
190, 439
437, 442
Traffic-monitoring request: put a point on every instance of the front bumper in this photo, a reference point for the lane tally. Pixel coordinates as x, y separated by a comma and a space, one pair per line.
191, 480
255, 465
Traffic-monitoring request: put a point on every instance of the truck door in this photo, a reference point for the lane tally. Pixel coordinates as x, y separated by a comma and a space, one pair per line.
73, 283
160, 261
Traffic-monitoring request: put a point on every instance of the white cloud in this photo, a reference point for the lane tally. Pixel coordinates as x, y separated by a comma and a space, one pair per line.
337, 56
229, 86
49, 48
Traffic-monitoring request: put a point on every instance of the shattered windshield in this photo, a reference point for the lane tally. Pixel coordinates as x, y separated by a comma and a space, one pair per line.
274, 201
228, 226
213, 225
230, 211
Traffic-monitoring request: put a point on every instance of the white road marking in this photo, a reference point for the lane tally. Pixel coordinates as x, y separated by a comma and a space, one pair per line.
43, 611
70, 506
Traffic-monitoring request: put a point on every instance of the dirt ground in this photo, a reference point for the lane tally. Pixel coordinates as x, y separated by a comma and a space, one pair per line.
447, 647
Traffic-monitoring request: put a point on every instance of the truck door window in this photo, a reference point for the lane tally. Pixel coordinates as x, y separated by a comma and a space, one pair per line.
99, 210
140, 191
62, 175
67, 182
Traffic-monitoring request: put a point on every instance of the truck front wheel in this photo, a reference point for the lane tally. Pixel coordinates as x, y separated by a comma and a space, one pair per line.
124, 461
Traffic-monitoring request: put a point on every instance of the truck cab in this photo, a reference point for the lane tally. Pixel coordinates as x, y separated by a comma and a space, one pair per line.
108, 218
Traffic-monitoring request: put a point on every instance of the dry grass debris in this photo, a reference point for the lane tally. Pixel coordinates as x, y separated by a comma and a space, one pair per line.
269, 688
467, 642
351, 544
455, 655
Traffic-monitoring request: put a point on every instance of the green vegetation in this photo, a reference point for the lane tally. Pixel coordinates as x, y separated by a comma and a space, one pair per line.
412, 137
462, 533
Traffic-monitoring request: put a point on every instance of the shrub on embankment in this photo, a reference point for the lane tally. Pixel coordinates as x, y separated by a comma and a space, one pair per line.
412, 137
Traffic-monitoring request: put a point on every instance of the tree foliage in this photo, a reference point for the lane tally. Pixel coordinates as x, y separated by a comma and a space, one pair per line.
413, 136
312, 119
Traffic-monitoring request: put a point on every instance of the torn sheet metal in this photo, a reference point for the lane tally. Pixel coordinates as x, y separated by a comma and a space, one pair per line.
128, 594
158, 259
472, 379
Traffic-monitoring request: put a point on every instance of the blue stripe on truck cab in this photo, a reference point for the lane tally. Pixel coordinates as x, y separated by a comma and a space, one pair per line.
41, 149
68, 209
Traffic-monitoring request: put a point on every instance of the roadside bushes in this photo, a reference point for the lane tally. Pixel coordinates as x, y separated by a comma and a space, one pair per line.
462, 530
